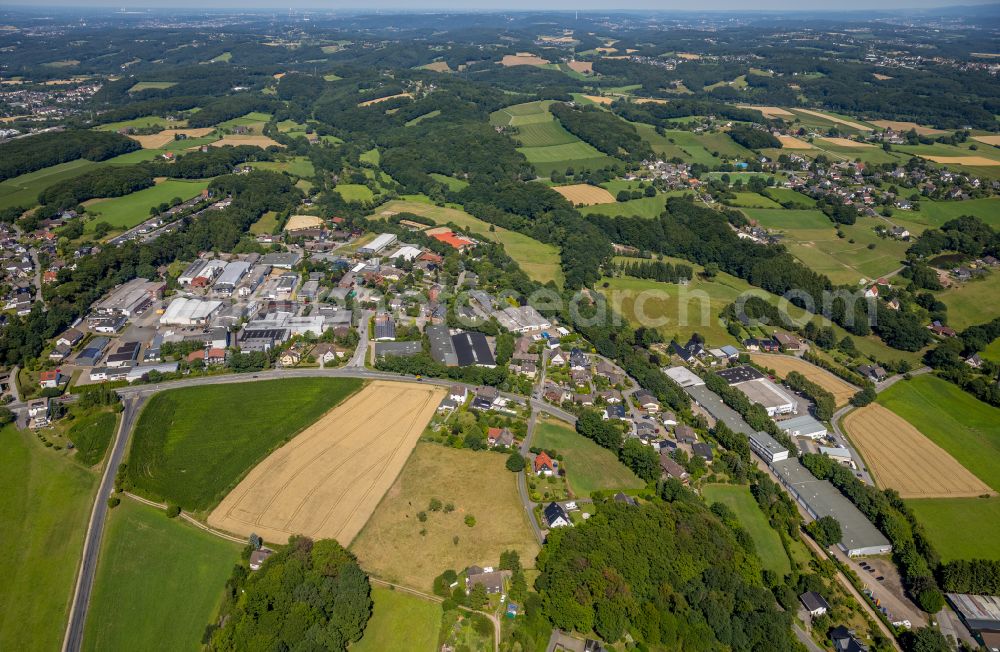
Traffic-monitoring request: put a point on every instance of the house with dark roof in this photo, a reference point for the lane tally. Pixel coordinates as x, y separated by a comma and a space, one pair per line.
625, 499
671, 468
814, 603
500, 437
556, 516
874, 373
492, 580
472, 349
844, 640
702, 450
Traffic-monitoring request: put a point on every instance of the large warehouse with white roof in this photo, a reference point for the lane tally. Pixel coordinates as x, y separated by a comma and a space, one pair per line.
185, 311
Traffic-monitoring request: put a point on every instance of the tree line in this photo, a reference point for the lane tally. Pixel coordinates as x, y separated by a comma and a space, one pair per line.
604, 130
23, 155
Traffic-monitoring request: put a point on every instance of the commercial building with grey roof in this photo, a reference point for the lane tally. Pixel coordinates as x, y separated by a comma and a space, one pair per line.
442, 346
820, 498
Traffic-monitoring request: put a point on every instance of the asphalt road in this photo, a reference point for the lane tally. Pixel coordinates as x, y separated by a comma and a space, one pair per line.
134, 398
95, 529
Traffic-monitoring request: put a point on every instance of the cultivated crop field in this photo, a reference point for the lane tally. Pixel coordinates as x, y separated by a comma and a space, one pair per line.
149, 566
257, 141
167, 137
476, 484
589, 467
967, 428
327, 481
584, 193
902, 458
784, 364
176, 456
522, 59
900, 125
766, 540
791, 142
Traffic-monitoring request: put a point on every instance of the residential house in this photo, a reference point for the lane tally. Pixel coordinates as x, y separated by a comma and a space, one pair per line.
458, 393
685, 434
290, 358
669, 419
625, 499
672, 469
941, 330
493, 581
844, 640
787, 342
702, 450
556, 516
814, 603
544, 465
50, 379
258, 557
70, 337
874, 373
500, 437
647, 401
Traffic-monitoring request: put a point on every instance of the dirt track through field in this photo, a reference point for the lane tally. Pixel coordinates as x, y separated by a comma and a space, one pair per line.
783, 364
327, 481
900, 457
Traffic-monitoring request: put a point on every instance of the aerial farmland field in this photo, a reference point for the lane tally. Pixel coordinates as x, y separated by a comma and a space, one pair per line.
125, 212
174, 458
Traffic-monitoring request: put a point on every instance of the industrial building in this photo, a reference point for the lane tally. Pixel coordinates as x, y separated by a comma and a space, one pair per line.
442, 346
401, 349
141, 372
191, 271
473, 349
981, 614
767, 447
185, 311
282, 259
406, 252
231, 276
262, 339
378, 244
820, 498
130, 299
522, 319
803, 426
683, 376
125, 356
93, 352
759, 389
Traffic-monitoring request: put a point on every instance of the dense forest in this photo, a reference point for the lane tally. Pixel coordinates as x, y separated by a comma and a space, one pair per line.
667, 573
605, 131
24, 155
307, 596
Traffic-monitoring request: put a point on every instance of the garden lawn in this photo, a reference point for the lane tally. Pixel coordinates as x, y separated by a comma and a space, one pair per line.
765, 538
391, 546
125, 212
992, 352
159, 582
589, 467
266, 224
961, 528
540, 261
91, 434
45, 502
192, 445
953, 419
400, 621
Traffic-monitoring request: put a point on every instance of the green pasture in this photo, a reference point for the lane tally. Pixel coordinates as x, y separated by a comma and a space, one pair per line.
973, 302
589, 467
961, 528
125, 212
400, 621
765, 538
453, 184
355, 192
151, 85
91, 434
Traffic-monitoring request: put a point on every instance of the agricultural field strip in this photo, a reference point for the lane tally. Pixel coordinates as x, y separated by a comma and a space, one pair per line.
900, 457
327, 471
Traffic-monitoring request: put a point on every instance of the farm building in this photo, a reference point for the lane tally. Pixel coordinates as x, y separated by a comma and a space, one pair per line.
185, 311
803, 426
453, 240
820, 498
377, 245
981, 614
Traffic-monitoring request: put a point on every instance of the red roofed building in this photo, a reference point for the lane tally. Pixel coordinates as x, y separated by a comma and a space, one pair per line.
453, 240
50, 379
430, 257
544, 464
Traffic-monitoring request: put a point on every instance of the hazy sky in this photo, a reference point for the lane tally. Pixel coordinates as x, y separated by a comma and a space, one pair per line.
494, 5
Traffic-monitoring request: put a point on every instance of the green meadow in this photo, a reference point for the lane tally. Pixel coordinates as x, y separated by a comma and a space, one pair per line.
765, 538
589, 467
125, 212
176, 456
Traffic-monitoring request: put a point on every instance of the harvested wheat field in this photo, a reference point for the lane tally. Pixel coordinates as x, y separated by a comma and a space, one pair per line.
899, 125
437, 66
584, 193
833, 118
688, 56
963, 160
522, 59
901, 458
770, 112
651, 100
299, 222
583, 67
599, 99
881, 77
165, 137
845, 142
327, 481
384, 99
783, 364
791, 142
606, 50
989, 140
258, 141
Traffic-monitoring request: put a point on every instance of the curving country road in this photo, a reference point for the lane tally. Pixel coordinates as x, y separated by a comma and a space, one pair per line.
135, 397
